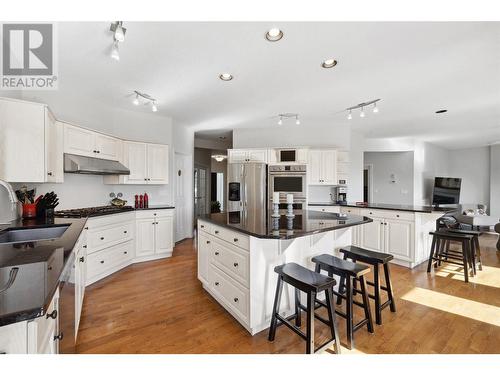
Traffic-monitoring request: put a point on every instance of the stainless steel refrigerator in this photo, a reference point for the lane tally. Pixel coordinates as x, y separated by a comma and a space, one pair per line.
247, 187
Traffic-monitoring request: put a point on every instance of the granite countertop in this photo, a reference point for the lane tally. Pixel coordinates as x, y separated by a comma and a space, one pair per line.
40, 265
385, 206
262, 225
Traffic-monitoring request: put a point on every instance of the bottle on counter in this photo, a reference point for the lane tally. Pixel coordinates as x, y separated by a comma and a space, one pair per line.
141, 201
136, 201
146, 200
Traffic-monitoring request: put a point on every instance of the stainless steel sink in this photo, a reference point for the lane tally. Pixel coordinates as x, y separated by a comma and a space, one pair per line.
17, 235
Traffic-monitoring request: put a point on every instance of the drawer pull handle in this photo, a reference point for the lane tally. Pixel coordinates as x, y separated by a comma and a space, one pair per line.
216, 253
235, 239
235, 264
202, 226
52, 315
208, 242
216, 232
235, 299
82, 259
84, 246
102, 238
102, 262
153, 223
216, 283
397, 215
59, 337
125, 231
154, 214
125, 252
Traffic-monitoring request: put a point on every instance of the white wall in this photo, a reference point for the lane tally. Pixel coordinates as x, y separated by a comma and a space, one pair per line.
473, 167
495, 181
384, 164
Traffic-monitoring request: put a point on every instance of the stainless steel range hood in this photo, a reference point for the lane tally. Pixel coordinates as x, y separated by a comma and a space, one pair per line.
86, 165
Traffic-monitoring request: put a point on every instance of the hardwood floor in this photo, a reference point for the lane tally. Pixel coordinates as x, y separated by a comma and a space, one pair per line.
160, 307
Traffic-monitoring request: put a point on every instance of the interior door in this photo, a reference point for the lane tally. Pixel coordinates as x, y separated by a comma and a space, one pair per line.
135, 160
163, 235
183, 167
157, 164
145, 237
200, 191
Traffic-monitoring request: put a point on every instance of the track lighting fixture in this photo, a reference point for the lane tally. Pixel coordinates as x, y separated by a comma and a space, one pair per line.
118, 36
146, 99
297, 121
280, 122
362, 107
288, 116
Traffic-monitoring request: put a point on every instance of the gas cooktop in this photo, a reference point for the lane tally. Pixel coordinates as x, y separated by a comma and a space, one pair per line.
92, 211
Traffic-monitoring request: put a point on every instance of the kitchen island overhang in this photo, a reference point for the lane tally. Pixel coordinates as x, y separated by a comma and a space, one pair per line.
237, 253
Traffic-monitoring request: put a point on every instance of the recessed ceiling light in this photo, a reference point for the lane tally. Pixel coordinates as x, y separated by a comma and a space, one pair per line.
329, 63
274, 34
442, 111
225, 76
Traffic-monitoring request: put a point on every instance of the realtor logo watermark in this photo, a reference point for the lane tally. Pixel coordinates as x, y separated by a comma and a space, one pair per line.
28, 57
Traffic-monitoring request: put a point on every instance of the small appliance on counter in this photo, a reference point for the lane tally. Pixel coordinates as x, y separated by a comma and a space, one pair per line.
340, 194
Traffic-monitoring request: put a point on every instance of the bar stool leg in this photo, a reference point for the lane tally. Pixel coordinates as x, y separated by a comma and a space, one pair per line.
472, 255
376, 286
311, 298
276, 306
366, 304
341, 285
431, 256
332, 319
465, 261
441, 251
478, 250
349, 312
388, 285
298, 315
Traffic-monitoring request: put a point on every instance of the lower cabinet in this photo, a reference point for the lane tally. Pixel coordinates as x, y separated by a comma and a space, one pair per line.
154, 229
80, 277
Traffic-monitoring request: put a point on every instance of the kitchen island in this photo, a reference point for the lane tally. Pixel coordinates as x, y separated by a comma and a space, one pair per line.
237, 253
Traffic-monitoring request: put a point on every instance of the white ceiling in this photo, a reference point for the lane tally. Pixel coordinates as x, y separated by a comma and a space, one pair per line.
415, 68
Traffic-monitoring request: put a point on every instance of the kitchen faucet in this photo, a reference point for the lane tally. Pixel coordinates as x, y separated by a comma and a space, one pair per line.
14, 212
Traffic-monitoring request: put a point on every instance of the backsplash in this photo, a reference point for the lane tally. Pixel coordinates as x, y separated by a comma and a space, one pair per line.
89, 190
319, 194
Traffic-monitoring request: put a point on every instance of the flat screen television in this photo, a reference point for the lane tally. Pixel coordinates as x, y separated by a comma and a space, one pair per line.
446, 190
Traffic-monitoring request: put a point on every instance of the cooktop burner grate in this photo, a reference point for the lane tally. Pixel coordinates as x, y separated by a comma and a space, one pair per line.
92, 211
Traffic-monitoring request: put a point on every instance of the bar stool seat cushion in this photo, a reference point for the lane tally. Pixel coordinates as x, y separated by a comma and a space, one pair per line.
303, 278
367, 256
341, 265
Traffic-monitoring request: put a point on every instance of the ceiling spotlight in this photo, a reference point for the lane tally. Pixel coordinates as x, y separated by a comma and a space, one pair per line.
119, 30
329, 63
442, 111
225, 76
115, 53
362, 113
280, 122
274, 34
375, 108
297, 121
136, 100
349, 116
154, 108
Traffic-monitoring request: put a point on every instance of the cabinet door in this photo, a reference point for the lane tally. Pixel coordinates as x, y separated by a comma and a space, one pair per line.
22, 141
80, 282
329, 167
237, 156
204, 248
79, 141
107, 147
257, 156
54, 148
314, 167
157, 164
145, 237
135, 160
163, 235
372, 235
399, 238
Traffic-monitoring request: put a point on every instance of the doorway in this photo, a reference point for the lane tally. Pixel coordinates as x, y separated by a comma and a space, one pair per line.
217, 192
368, 183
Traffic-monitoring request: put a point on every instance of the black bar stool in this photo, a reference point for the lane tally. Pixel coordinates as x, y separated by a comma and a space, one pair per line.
374, 259
349, 271
476, 249
440, 251
311, 283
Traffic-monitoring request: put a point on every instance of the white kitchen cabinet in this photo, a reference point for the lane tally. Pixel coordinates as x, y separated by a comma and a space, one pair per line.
330, 209
163, 235
399, 238
204, 248
14, 338
322, 167
80, 141
145, 236
372, 235
154, 234
80, 276
247, 155
29, 143
148, 164
356, 230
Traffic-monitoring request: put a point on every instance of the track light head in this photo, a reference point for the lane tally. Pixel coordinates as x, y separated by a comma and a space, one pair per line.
349, 116
119, 30
297, 121
375, 108
115, 52
154, 108
280, 121
362, 113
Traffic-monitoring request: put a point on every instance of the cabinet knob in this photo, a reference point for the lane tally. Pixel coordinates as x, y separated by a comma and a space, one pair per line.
94, 151
208, 242
235, 299
155, 215
202, 226
216, 253
397, 215
84, 246
216, 232
82, 259
235, 264
381, 223
125, 231
86, 228
49, 173
59, 337
385, 223
153, 223
102, 238
125, 252
216, 283
102, 262
235, 239
98, 151
52, 315
145, 179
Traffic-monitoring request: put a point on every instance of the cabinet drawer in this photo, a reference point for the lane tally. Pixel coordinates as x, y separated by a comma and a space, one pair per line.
350, 210
235, 297
230, 236
331, 209
150, 214
13, 338
103, 261
204, 226
99, 239
232, 260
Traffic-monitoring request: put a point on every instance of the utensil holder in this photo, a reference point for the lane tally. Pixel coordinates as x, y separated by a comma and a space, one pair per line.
29, 210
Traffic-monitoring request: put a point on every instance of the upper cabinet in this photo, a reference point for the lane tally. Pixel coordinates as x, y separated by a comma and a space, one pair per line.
322, 167
30, 143
247, 156
148, 164
343, 163
79, 141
